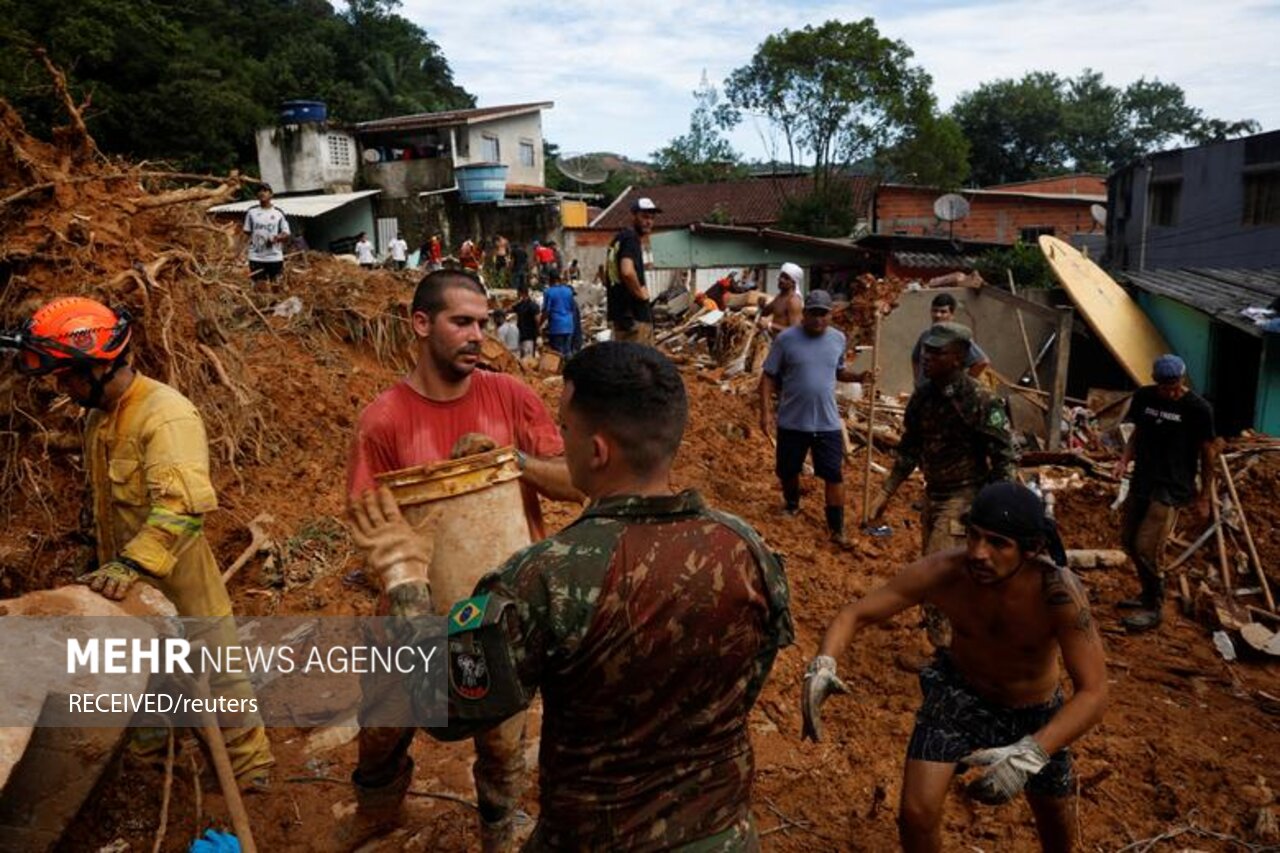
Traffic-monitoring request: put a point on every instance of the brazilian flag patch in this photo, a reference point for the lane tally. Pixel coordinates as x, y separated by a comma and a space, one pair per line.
467, 613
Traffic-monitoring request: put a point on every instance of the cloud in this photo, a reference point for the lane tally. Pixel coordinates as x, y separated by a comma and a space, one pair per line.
622, 77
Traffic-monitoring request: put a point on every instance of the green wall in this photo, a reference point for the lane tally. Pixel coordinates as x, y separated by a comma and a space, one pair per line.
347, 221
1267, 410
683, 249
1187, 331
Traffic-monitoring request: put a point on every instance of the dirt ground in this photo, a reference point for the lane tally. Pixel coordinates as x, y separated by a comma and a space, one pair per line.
1189, 743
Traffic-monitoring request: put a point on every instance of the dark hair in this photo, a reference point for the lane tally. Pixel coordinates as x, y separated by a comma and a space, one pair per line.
429, 296
635, 394
944, 300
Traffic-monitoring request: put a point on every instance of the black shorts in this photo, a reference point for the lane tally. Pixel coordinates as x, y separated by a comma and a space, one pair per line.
269, 270
828, 454
954, 721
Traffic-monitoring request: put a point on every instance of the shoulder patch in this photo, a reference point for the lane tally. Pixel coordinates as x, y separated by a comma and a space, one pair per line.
468, 613
996, 417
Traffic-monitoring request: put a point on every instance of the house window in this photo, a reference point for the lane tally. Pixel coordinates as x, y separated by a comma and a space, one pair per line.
1164, 199
339, 150
1262, 198
489, 149
526, 153
1032, 234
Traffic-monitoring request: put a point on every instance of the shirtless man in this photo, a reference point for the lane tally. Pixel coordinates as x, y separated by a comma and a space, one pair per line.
787, 308
993, 700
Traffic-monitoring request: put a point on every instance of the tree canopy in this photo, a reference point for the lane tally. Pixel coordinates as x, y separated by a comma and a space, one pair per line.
1046, 124
702, 155
838, 94
191, 82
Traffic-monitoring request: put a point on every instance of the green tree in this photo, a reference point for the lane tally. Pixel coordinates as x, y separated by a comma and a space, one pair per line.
1045, 124
190, 82
702, 155
837, 94
934, 153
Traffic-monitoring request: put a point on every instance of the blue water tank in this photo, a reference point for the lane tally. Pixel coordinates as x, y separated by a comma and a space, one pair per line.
481, 182
299, 112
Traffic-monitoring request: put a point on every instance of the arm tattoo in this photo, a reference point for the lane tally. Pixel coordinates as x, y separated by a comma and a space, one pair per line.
1063, 589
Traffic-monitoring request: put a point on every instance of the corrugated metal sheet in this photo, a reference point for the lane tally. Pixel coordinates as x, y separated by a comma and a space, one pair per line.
1220, 293
301, 206
933, 260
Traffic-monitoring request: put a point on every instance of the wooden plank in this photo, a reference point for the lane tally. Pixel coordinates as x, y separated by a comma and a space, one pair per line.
1058, 393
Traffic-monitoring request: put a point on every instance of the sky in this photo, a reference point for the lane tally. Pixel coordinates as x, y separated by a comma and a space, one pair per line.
622, 75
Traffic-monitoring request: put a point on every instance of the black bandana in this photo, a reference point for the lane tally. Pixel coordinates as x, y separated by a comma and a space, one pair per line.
1013, 510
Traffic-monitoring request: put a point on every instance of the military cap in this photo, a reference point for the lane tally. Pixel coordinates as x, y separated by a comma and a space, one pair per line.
944, 334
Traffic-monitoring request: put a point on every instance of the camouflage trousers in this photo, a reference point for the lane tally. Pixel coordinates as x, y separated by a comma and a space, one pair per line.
941, 528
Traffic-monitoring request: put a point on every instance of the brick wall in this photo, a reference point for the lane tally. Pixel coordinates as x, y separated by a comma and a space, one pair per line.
1061, 185
993, 218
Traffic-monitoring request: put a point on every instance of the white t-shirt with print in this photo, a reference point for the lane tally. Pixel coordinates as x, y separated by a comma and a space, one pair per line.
263, 225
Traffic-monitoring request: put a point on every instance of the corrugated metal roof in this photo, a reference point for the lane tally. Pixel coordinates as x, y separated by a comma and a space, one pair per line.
301, 206
422, 121
934, 260
1220, 293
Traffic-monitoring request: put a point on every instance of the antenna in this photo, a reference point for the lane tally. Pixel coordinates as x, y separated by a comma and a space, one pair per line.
1099, 214
582, 169
951, 208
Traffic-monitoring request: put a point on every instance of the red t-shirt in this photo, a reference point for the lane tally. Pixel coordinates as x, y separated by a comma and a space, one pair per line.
544, 255
401, 428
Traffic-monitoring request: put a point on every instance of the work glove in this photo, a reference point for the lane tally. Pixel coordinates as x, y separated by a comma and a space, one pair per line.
471, 444
215, 841
820, 681
112, 579
399, 552
1008, 769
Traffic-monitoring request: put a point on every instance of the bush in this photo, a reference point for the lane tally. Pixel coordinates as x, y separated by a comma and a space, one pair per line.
1024, 260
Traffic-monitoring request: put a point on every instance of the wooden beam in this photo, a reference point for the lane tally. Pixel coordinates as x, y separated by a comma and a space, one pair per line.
1058, 392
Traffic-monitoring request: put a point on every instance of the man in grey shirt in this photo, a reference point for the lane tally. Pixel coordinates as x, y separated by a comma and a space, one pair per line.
803, 365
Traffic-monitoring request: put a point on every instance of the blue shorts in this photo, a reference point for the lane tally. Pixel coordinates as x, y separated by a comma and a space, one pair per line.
828, 454
954, 721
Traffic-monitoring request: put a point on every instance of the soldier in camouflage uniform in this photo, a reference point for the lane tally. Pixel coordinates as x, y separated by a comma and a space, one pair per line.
649, 625
957, 433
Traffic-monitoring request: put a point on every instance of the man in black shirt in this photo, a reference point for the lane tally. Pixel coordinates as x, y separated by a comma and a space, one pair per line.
629, 310
1173, 431
519, 266
528, 317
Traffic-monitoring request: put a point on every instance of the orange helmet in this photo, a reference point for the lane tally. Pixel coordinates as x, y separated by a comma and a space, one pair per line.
72, 331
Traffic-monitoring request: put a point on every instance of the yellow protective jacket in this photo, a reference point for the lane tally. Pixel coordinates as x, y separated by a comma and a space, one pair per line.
148, 467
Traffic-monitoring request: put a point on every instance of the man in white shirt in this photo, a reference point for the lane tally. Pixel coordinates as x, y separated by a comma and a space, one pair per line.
364, 252
399, 252
267, 231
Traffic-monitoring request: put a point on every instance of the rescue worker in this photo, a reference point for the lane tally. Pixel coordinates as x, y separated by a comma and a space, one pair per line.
802, 368
147, 460
442, 403
649, 625
1173, 433
957, 433
786, 309
993, 700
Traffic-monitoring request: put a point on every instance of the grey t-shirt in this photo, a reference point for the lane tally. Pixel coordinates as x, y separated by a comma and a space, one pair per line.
805, 369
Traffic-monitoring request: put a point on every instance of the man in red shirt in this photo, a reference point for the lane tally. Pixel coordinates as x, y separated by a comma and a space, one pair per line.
417, 421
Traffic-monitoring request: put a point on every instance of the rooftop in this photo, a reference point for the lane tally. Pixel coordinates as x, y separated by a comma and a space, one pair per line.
752, 202
300, 206
424, 121
1220, 293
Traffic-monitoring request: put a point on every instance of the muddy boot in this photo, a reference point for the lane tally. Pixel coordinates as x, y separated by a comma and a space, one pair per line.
1151, 614
378, 811
498, 836
1132, 604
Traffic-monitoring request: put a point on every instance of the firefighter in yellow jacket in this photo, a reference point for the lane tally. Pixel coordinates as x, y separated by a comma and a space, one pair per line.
147, 460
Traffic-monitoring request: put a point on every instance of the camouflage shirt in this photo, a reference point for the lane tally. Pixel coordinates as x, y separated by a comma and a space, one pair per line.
649, 625
958, 435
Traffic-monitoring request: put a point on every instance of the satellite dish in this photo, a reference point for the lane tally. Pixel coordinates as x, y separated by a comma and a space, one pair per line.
951, 207
585, 169
1099, 213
